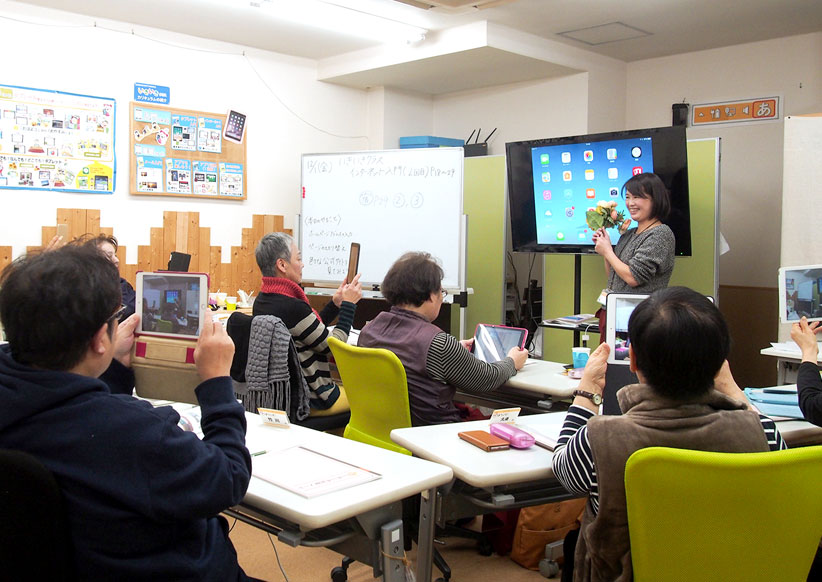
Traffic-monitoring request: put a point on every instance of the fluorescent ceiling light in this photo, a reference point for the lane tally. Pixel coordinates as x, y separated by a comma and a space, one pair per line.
342, 19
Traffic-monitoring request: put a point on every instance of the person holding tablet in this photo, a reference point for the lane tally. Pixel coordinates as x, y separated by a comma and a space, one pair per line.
281, 295
686, 399
142, 496
108, 245
808, 381
435, 363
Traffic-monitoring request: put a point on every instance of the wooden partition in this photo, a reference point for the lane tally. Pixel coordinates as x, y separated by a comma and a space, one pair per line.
181, 232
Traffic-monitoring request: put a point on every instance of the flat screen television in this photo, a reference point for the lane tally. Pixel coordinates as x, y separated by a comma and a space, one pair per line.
553, 182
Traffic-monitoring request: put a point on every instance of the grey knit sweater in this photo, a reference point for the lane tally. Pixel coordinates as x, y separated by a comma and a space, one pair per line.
649, 255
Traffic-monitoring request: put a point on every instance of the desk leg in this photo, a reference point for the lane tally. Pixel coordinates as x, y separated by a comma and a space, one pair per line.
781, 365
425, 542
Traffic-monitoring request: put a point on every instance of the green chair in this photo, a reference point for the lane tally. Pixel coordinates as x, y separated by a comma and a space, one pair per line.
377, 390
696, 515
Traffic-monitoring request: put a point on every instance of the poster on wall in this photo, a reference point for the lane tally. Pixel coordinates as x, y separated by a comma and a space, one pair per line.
210, 134
52, 140
231, 179
178, 176
205, 178
184, 133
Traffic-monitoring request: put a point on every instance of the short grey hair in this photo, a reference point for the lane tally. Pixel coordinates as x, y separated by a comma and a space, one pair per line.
271, 248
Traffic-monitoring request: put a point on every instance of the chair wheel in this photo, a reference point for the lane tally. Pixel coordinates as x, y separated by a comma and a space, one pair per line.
548, 568
485, 547
338, 574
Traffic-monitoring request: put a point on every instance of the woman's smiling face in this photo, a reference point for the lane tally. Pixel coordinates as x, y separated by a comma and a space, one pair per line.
641, 209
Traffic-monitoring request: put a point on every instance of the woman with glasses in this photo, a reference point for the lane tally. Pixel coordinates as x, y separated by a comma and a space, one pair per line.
436, 363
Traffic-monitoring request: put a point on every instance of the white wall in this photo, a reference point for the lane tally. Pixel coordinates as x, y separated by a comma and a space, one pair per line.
522, 111
528, 110
289, 111
751, 167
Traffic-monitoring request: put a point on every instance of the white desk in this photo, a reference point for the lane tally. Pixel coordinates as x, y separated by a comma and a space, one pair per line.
787, 363
488, 482
535, 388
350, 520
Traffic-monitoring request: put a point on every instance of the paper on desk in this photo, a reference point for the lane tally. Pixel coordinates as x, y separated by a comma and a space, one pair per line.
790, 346
308, 473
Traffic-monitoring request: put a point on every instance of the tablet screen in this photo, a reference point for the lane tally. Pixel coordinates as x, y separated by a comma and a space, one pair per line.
171, 304
799, 293
492, 342
618, 308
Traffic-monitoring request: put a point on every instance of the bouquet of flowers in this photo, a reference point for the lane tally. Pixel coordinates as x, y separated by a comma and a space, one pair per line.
605, 215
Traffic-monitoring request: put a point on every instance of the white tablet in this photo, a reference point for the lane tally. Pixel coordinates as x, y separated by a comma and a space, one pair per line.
799, 293
618, 310
171, 304
492, 342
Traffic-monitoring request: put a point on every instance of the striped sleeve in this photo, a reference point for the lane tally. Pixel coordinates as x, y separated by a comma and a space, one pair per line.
573, 463
775, 440
448, 361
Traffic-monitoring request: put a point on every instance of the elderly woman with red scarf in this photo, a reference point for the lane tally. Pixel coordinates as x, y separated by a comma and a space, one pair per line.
281, 295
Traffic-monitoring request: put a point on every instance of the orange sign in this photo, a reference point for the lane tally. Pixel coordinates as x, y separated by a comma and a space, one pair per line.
766, 108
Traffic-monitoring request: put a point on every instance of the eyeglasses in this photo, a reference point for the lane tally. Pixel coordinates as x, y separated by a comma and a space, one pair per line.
117, 314
444, 293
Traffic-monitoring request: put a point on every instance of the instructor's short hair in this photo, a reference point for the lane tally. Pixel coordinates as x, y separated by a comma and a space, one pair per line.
680, 341
651, 186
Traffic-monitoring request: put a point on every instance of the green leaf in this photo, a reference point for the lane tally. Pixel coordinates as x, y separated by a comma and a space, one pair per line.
594, 219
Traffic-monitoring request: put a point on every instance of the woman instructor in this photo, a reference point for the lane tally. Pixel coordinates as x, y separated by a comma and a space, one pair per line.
643, 259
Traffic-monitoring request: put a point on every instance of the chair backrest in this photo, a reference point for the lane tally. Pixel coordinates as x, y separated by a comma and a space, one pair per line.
696, 515
374, 381
35, 543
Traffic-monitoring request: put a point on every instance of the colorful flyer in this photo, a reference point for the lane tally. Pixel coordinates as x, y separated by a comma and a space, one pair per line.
57, 141
184, 133
209, 134
178, 176
149, 174
152, 116
231, 180
205, 178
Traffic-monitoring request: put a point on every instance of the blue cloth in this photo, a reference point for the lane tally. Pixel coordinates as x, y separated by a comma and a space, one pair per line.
142, 495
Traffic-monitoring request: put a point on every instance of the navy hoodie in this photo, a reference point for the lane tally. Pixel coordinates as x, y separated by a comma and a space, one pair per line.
142, 495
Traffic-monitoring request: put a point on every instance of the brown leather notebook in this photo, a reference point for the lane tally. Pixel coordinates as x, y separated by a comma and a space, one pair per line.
484, 440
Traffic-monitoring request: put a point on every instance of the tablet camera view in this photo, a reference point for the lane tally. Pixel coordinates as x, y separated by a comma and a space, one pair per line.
171, 304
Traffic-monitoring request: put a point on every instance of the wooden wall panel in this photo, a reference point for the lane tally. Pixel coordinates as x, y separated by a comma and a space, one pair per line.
180, 231
5, 257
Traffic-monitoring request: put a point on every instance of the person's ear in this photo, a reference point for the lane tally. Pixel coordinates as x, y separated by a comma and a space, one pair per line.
98, 342
281, 265
632, 358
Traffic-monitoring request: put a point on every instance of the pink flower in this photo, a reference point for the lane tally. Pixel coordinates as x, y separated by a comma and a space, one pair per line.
613, 215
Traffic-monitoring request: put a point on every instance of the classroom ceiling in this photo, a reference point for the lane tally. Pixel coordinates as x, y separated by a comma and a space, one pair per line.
500, 42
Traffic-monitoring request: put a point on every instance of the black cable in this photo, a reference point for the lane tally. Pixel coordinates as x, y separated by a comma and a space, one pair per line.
277, 555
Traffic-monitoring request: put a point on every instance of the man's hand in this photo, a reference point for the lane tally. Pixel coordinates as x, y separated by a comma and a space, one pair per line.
214, 351
593, 376
124, 339
519, 355
804, 334
55, 243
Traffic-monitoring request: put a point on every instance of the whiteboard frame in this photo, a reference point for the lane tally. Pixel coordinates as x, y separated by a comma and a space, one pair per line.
463, 243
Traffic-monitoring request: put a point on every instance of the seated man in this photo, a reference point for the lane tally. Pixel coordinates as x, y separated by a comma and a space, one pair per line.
281, 264
687, 399
142, 495
435, 363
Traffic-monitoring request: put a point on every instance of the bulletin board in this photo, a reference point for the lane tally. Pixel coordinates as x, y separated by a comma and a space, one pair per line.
180, 152
51, 140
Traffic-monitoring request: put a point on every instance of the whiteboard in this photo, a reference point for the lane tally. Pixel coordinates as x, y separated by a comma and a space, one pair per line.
391, 202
